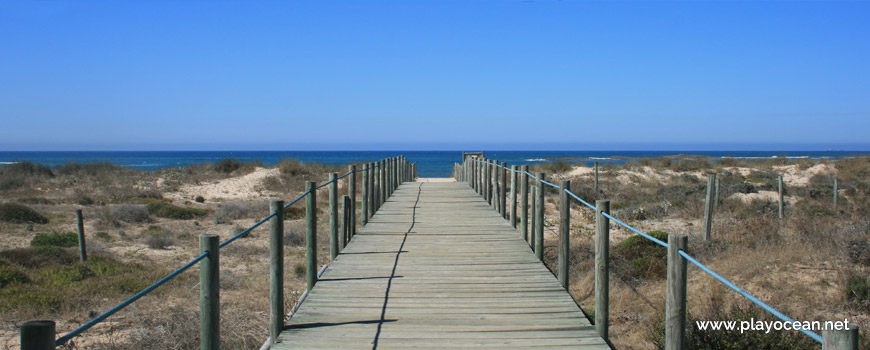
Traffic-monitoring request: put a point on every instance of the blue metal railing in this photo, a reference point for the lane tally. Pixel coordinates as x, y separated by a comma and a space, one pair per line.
815, 336
64, 339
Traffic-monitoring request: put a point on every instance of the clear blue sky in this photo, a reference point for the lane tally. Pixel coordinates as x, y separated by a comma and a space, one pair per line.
166, 75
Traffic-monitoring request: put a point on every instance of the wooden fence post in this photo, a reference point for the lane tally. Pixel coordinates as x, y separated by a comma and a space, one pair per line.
488, 182
602, 268
534, 217
365, 195
564, 234
514, 184
595, 182
80, 225
675, 304
502, 195
383, 183
708, 208
209, 293
539, 211
37, 335
352, 191
333, 216
347, 222
836, 193
496, 186
844, 339
716, 196
276, 263
311, 233
781, 196
524, 204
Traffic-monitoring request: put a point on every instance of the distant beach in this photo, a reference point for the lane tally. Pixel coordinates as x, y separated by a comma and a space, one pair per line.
431, 163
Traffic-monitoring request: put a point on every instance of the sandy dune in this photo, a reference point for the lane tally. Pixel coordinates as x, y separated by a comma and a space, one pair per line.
235, 188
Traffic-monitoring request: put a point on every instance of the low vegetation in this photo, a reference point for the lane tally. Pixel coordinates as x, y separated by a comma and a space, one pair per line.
69, 239
169, 211
20, 214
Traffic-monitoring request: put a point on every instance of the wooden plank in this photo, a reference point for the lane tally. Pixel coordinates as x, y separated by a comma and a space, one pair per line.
436, 267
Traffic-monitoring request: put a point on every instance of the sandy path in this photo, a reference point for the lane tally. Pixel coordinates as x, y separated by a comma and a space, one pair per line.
235, 188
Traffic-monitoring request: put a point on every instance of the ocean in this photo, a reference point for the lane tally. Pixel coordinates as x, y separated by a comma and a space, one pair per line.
430, 163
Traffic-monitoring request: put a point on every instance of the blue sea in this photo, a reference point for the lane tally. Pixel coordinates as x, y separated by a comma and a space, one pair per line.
430, 163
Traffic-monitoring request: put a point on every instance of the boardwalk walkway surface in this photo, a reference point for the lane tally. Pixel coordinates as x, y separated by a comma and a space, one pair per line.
437, 268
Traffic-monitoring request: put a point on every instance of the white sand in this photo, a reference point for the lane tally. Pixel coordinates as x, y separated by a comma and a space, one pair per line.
436, 179
234, 188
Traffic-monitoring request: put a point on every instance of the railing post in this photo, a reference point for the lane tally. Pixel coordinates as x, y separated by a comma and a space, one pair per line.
844, 339
502, 192
37, 335
488, 180
351, 189
524, 205
365, 195
377, 195
539, 223
311, 233
564, 234
602, 268
595, 183
781, 196
494, 190
209, 293
708, 208
675, 304
333, 216
373, 193
534, 217
836, 193
276, 262
383, 182
514, 183
80, 224
716, 195
347, 225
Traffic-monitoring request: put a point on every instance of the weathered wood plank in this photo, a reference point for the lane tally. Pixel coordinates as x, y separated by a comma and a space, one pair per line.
436, 267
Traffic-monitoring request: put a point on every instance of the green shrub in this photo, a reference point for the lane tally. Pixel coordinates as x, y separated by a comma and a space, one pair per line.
87, 169
857, 288
10, 275
13, 176
227, 165
69, 239
157, 237
20, 214
169, 211
130, 213
199, 199
85, 200
299, 270
638, 258
36, 257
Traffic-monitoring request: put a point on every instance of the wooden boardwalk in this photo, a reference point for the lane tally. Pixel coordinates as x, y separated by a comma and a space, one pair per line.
438, 268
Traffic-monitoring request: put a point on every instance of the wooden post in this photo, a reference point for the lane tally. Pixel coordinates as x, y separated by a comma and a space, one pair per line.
347, 222
514, 183
836, 194
564, 234
675, 304
716, 196
708, 208
383, 183
333, 216
351, 189
602, 268
524, 205
495, 186
395, 173
534, 217
311, 234
276, 263
844, 339
37, 335
80, 224
539, 212
595, 182
376, 198
488, 182
365, 195
209, 293
781, 196
502, 195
